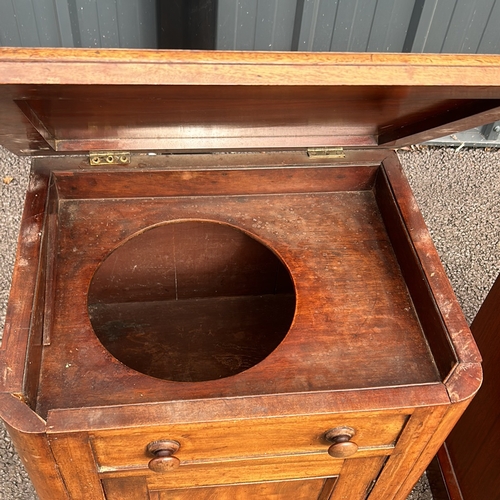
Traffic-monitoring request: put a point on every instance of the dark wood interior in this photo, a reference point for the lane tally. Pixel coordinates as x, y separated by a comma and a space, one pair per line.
331, 226
214, 117
191, 301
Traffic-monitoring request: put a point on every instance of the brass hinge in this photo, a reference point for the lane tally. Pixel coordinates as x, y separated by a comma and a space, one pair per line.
109, 158
336, 152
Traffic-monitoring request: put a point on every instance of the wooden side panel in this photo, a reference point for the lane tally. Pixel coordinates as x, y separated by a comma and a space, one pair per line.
23, 290
157, 178
411, 268
36, 455
27, 431
446, 424
356, 478
77, 465
435, 275
413, 440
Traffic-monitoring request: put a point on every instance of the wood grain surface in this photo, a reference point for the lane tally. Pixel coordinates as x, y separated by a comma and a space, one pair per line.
77, 100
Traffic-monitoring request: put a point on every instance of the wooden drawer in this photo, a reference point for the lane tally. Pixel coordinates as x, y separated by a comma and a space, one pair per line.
253, 471
221, 441
244, 471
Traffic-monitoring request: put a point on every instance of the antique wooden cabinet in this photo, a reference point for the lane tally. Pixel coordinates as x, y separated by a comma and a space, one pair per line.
224, 287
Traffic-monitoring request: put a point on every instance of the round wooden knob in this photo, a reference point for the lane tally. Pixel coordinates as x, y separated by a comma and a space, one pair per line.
342, 446
163, 452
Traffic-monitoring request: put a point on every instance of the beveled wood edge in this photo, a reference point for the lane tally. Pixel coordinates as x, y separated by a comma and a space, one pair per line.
465, 379
83, 66
395, 399
24, 283
18, 415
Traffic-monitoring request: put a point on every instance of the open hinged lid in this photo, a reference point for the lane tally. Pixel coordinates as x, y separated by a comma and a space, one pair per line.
67, 101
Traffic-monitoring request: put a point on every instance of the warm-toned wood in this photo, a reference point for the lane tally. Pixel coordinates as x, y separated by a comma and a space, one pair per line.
456, 116
25, 280
373, 340
357, 265
186, 260
158, 301
205, 441
27, 432
177, 412
75, 460
188, 101
247, 328
427, 310
131, 488
293, 160
441, 431
287, 68
342, 446
238, 470
281, 490
151, 181
366, 473
432, 269
422, 423
474, 444
163, 453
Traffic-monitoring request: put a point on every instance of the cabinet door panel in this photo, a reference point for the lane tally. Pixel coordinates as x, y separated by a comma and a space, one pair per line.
298, 490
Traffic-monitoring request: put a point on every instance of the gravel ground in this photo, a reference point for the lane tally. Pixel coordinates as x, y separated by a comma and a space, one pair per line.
458, 193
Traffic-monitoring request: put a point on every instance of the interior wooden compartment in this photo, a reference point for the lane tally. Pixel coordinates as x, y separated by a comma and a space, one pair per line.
362, 320
191, 300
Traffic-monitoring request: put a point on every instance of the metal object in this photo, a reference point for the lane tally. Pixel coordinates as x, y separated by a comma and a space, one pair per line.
491, 131
326, 152
109, 158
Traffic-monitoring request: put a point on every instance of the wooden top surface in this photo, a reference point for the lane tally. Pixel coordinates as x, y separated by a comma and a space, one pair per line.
184, 67
77, 100
354, 328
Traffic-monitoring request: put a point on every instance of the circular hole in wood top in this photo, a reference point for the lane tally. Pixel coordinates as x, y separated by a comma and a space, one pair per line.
191, 301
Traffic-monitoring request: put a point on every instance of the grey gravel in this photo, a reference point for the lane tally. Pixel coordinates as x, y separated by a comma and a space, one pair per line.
458, 193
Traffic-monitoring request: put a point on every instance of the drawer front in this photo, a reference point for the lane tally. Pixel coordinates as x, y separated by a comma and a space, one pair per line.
316, 476
239, 439
234, 471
